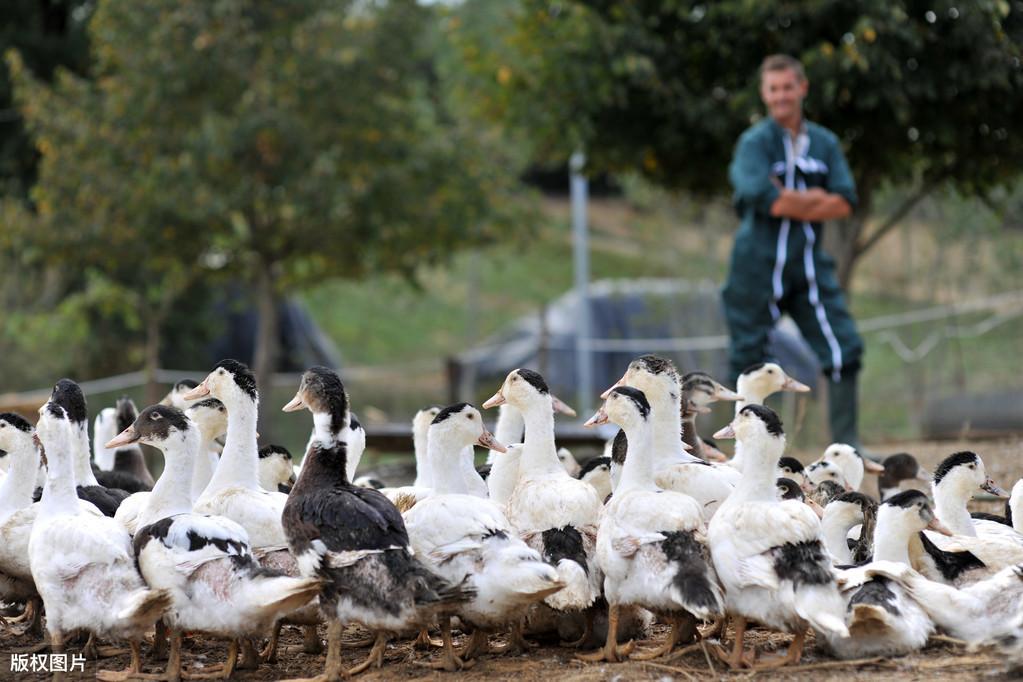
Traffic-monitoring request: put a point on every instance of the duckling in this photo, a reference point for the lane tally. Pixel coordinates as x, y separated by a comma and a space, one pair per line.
770, 554
276, 472
554, 513
203, 562
651, 542
852, 464
83, 565
883, 618
464, 539
354, 539
597, 472
899, 469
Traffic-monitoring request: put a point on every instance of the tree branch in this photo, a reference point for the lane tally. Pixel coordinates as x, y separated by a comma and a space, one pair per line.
897, 215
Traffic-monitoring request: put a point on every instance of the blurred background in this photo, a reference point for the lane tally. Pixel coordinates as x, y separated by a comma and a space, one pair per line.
385, 187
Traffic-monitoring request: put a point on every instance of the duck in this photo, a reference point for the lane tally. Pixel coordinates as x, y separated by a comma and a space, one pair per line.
900, 469
842, 515
597, 472
276, 471
851, 462
234, 491
825, 470
555, 514
956, 480
676, 469
203, 562
884, 619
699, 391
464, 539
354, 539
210, 417
83, 565
651, 543
127, 470
68, 395
770, 555
792, 468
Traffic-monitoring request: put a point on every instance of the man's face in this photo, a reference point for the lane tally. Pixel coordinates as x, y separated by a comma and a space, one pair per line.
783, 93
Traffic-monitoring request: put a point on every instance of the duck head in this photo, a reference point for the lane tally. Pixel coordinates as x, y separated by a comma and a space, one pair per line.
69, 396
655, 376
962, 475
210, 415
625, 406
908, 513
175, 397
766, 378
461, 425
521, 388
792, 469
822, 470
321, 391
229, 382
16, 433
850, 509
597, 472
755, 424
275, 467
789, 490
157, 425
702, 390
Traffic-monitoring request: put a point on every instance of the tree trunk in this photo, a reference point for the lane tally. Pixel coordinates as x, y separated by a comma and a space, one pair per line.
264, 360
152, 357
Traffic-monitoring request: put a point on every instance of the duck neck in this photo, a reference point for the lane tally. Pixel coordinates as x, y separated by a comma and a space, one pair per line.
205, 464
172, 493
82, 455
835, 529
539, 454
689, 436
59, 495
950, 507
509, 427
16, 490
751, 393
666, 439
891, 540
638, 470
760, 469
239, 464
443, 457
421, 445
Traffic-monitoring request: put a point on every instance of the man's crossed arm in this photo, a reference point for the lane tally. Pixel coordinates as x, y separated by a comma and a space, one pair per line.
814, 205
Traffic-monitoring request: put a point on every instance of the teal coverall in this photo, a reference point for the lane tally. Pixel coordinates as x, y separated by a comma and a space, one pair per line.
778, 265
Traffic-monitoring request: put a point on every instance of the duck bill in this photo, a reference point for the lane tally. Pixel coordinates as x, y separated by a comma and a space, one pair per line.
795, 386
726, 432
126, 437
596, 420
817, 509
687, 447
872, 467
560, 406
494, 401
620, 382
938, 527
722, 393
200, 391
488, 441
992, 487
295, 404
923, 475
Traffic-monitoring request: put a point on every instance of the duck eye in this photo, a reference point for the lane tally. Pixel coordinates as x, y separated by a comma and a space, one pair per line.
470, 417
770, 371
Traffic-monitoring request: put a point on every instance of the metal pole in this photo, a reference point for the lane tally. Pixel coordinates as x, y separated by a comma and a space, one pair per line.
581, 260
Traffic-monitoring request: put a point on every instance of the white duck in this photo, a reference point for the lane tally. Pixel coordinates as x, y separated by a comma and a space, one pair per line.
353, 538
234, 490
770, 554
651, 545
956, 480
675, 469
851, 462
462, 538
210, 416
203, 562
883, 619
554, 513
83, 565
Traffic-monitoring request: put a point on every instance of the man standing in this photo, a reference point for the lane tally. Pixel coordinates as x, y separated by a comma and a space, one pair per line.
789, 176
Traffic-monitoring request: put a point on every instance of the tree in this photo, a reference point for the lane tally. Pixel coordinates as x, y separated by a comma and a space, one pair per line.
279, 143
922, 94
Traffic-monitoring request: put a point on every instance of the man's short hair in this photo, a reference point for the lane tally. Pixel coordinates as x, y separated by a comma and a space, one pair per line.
782, 62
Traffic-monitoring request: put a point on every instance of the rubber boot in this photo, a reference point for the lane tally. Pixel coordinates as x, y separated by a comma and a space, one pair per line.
843, 411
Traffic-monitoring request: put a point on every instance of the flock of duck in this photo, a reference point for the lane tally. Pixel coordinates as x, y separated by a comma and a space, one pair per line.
233, 541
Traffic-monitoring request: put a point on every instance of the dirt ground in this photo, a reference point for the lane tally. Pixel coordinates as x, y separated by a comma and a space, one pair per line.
941, 659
